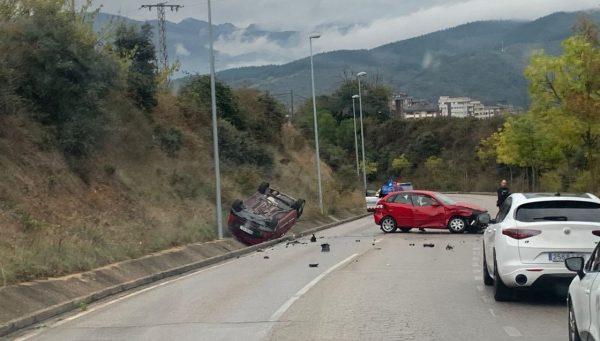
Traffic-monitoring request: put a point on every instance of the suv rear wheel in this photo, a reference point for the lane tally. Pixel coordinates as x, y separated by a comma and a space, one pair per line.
502, 293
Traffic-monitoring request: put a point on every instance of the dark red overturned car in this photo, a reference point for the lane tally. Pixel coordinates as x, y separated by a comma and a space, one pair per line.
432, 210
267, 214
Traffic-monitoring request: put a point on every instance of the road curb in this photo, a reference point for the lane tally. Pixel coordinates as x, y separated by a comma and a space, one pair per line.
73, 304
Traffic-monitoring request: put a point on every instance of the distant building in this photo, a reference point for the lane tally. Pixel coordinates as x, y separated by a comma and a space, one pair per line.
465, 107
408, 107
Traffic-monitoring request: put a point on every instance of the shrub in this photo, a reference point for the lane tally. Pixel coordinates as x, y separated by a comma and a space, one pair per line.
170, 140
238, 147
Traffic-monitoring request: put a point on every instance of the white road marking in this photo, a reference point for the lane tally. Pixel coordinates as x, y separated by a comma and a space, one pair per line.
476, 271
100, 306
480, 287
512, 331
477, 249
493, 313
277, 314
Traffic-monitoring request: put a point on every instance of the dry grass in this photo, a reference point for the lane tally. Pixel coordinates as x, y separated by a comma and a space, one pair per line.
138, 201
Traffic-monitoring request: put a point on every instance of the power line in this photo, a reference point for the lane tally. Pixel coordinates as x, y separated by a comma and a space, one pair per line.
162, 30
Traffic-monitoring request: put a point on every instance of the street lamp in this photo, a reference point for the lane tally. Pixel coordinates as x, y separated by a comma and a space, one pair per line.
362, 133
355, 135
312, 76
213, 99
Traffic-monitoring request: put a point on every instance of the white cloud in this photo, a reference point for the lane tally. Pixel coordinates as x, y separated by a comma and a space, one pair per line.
180, 50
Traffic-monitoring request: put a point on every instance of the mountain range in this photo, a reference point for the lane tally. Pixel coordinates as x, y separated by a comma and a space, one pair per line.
483, 60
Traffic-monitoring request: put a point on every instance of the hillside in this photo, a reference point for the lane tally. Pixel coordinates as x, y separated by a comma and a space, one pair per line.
99, 164
484, 60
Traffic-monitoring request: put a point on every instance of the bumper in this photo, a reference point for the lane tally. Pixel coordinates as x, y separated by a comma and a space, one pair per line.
538, 275
377, 217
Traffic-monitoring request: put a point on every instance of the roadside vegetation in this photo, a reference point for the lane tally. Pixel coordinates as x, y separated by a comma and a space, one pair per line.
101, 162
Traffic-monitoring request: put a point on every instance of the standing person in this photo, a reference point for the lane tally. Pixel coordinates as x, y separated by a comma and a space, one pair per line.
503, 192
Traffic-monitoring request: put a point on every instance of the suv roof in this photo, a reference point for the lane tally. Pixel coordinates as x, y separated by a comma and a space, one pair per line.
521, 198
557, 194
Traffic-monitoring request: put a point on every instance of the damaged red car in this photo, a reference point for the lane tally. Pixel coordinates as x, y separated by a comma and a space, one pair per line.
265, 215
432, 210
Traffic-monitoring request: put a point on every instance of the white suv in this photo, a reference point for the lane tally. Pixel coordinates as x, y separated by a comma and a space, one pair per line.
532, 236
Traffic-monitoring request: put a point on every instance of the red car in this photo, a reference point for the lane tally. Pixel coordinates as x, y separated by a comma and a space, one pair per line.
424, 209
265, 215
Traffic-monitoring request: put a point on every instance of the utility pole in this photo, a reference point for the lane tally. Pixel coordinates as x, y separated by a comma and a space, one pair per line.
162, 30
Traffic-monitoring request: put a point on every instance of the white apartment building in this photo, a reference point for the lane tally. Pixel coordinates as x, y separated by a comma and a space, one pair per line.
465, 107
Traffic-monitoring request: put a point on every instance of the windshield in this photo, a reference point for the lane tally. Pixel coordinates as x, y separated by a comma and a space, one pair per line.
445, 199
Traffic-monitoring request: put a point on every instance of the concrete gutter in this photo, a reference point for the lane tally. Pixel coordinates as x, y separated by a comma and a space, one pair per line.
73, 304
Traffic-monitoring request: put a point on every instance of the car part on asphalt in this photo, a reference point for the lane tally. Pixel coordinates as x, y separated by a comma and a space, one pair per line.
313, 239
429, 245
313, 265
325, 247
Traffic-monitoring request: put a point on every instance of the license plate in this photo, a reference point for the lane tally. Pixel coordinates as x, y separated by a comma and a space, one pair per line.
561, 256
247, 230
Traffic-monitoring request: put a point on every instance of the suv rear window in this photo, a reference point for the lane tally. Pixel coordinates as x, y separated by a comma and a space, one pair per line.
562, 210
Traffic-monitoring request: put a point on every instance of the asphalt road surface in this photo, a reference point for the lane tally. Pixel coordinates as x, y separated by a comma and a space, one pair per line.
370, 286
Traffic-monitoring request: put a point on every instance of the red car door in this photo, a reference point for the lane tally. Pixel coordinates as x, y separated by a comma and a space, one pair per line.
401, 209
427, 212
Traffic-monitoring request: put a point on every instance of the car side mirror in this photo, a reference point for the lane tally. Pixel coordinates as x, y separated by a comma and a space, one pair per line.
484, 219
576, 264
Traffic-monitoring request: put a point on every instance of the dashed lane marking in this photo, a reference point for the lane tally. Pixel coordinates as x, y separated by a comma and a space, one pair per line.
493, 312
277, 314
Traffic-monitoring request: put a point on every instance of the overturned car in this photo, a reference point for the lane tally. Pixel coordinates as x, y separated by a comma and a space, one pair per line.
265, 215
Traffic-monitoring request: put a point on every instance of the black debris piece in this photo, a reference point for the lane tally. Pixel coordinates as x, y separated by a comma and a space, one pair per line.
449, 247
373, 244
313, 265
358, 240
377, 248
411, 244
321, 237
429, 245
266, 257
260, 250
313, 239
293, 242
325, 247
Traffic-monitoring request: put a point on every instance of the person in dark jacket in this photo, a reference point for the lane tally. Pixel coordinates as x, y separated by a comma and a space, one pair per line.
503, 192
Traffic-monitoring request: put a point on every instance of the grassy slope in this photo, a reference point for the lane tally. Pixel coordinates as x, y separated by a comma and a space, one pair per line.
139, 200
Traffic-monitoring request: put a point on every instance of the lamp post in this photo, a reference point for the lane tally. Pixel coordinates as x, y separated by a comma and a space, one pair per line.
213, 99
362, 133
355, 135
312, 76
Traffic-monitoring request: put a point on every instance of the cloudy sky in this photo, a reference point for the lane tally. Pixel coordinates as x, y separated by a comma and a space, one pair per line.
346, 24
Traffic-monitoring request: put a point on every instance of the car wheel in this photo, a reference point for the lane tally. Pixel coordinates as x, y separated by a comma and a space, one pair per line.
502, 293
388, 225
298, 205
237, 205
573, 332
262, 188
487, 279
405, 229
457, 225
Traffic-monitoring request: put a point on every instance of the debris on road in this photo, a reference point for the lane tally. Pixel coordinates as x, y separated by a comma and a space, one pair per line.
357, 241
313, 265
429, 245
266, 257
293, 242
313, 239
260, 250
325, 247
449, 247
377, 248
411, 244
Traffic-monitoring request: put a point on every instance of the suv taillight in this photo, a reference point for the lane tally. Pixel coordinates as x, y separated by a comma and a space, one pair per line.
520, 233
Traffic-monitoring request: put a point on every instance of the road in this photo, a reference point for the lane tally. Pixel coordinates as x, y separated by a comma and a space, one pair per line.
370, 286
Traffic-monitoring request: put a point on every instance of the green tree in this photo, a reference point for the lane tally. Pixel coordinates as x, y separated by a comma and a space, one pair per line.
400, 164
135, 44
198, 89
